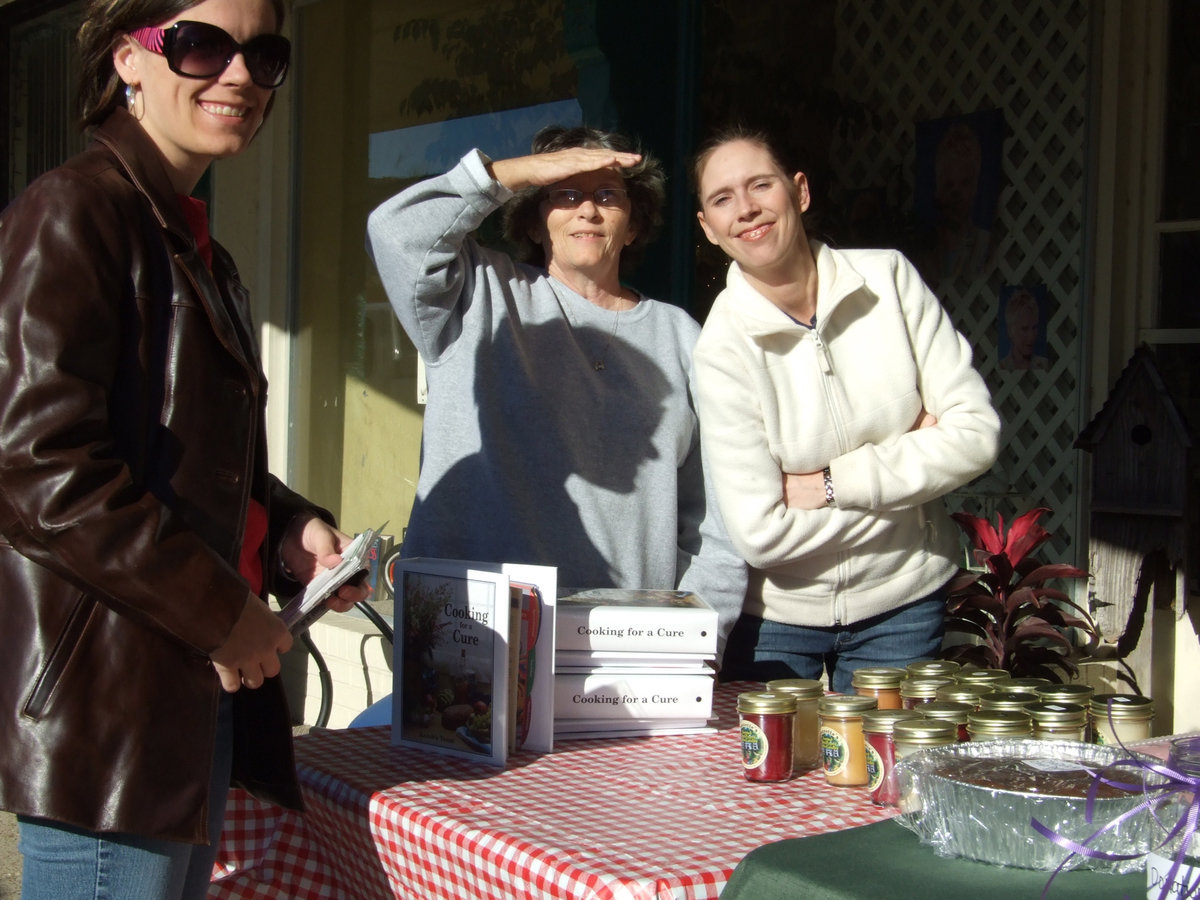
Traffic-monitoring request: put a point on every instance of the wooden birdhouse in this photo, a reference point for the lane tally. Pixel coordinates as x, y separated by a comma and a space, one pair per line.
1141, 488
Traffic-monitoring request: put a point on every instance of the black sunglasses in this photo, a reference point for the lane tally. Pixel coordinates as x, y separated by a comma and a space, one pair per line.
202, 50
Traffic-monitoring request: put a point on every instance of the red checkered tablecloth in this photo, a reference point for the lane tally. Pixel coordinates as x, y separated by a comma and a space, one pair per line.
654, 818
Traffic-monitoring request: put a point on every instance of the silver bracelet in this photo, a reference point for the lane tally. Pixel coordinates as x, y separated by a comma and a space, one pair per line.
828, 487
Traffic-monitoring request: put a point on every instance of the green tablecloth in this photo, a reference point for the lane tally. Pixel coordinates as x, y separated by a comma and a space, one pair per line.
886, 860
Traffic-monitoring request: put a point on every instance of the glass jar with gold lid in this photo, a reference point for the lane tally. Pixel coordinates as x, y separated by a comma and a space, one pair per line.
911, 735
964, 693
926, 668
1130, 716
1005, 699
999, 724
915, 691
881, 752
843, 746
954, 711
1057, 721
993, 677
880, 682
1067, 693
806, 738
1026, 684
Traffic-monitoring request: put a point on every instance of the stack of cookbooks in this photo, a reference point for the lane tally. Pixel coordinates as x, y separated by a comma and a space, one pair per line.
633, 662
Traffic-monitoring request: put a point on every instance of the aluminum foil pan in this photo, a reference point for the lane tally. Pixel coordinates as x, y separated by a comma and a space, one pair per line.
984, 820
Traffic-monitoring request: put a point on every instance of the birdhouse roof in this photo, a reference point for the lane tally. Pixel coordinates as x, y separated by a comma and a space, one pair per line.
1141, 365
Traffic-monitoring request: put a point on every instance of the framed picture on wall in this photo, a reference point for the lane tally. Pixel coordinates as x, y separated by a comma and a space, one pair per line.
1021, 328
956, 193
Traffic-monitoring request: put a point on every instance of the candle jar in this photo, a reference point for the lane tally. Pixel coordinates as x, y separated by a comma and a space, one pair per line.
994, 677
999, 724
806, 738
767, 723
1006, 699
949, 711
1056, 721
963, 693
915, 691
881, 752
912, 735
880, 682
843, 748
1130, 718
933, 668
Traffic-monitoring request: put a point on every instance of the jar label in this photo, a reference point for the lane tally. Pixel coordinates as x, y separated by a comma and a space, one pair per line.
1186, 882
875, 770
835, 751
754, 745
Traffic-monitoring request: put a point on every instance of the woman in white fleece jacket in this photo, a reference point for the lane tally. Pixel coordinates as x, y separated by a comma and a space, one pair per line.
838, 404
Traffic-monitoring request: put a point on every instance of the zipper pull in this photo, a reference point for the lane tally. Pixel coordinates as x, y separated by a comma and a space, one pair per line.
823, 354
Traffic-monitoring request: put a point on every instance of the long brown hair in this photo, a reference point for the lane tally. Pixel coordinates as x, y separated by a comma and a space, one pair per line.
104, 22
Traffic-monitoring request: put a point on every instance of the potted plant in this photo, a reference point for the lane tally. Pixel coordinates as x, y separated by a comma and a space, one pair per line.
1012, 619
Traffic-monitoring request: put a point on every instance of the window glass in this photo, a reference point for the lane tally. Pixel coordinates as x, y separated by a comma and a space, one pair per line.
1181, 188
42, 72
389, 92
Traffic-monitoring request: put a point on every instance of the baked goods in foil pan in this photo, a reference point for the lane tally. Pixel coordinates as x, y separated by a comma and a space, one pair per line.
977, 800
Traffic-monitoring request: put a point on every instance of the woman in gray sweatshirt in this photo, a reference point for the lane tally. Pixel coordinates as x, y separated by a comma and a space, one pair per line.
560, 427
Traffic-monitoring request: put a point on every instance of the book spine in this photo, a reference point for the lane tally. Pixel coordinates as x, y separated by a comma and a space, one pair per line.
647, 630
633, 696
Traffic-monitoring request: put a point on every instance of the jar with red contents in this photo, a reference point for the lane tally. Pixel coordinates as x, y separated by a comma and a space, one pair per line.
877, 725
767, 725
954, 711
915, 691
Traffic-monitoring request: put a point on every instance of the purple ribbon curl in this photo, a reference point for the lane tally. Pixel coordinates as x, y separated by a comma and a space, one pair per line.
1174, 783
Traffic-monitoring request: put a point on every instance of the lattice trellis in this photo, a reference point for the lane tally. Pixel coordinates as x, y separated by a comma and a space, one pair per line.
908, 62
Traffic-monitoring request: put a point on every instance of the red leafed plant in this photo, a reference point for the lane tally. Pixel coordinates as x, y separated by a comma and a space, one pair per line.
1017, 623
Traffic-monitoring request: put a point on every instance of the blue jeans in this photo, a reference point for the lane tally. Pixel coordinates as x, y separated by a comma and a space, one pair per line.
65, 863
762, 650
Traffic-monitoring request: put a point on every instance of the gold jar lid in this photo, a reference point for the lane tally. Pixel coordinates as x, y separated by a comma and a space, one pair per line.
877, 677
1006, 722
950, 710
881, 721
1067, 693
1026, 684
1125, 707
963, 693
1004, 699
923, 687
925, 731
990, 676
926, 667
845, 706
766, 702
801, 688
1053, 713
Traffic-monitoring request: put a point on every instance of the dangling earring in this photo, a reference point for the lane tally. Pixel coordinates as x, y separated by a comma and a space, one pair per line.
130, 96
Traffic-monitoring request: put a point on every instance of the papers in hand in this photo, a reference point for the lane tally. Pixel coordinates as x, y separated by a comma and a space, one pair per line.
309, 605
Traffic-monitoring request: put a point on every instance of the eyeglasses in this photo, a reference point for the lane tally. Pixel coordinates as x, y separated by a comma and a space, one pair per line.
569, 198
202, 50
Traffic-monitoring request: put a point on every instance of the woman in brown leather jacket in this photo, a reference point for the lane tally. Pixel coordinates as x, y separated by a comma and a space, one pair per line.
139, 527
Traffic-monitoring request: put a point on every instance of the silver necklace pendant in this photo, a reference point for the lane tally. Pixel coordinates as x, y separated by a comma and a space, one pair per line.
598, 365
